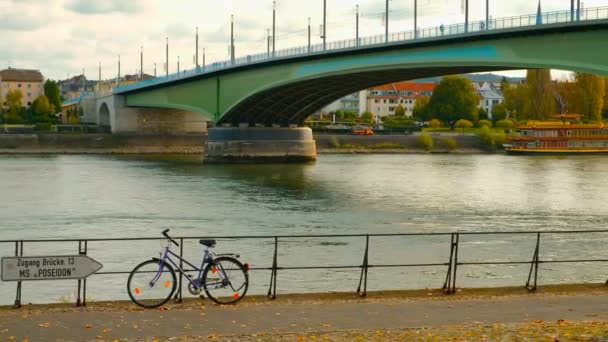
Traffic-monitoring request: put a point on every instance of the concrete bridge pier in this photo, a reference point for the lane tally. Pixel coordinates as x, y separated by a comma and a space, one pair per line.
260, 144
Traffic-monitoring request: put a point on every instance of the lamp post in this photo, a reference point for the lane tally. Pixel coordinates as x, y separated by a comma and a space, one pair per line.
197, 66
386, 23
274, 26
204, 64
154, 69
487, 15
118, 77
99, 80
308, 34
571, 10
141, 64
167, 58
578, 10
415, 19
232, 38
177, 66
268, 43
357, 26
466, 16
324, 25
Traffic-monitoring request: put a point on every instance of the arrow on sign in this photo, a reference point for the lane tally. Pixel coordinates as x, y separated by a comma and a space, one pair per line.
48, 267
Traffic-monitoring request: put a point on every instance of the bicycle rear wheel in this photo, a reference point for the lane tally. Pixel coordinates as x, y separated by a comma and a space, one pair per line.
151, 284
225, 280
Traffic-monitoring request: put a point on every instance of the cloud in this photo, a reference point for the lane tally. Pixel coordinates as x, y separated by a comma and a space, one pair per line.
89, 7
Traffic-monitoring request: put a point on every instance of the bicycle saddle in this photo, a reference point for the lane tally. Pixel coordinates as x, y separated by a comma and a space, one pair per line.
208, 243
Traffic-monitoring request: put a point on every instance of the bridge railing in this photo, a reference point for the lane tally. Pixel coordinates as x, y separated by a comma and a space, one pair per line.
437, 32
449, 252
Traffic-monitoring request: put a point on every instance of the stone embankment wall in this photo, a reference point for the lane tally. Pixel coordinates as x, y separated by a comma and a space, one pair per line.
100, 143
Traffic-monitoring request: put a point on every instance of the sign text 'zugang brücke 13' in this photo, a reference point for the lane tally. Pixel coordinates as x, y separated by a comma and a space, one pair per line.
48, 267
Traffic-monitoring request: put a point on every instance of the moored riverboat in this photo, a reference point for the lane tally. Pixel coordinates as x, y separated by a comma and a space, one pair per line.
559, 137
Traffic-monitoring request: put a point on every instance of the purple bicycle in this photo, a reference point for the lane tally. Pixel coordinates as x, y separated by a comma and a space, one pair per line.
223, 278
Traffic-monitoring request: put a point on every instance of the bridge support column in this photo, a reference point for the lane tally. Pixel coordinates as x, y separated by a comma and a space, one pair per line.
260, 144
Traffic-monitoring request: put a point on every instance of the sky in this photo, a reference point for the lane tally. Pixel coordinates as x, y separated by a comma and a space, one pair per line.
63, 37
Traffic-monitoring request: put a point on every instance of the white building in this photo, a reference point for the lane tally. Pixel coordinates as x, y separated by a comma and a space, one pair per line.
489, 96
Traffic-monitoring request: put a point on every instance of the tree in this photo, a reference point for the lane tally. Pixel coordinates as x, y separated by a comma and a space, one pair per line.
399, 111
482, 123
491, 140
52, 92
505, 124
515, 100
449, 143
367, 117
15, 112
540, 104
420, 111
453, 99
591, 91
464, 124
42, 110
346, 115
499, 112
398, 122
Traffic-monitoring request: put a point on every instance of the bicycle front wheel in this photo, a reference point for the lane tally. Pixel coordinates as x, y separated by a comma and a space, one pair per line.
225, 280
151, 284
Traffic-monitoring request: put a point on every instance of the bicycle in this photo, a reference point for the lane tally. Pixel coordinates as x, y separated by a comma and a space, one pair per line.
224, 279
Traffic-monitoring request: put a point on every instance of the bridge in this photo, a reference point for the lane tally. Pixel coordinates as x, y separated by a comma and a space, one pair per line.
258, 102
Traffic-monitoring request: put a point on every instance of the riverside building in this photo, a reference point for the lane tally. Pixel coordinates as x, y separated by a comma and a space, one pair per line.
28, 82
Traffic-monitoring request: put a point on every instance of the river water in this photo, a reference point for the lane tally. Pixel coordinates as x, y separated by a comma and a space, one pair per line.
51, 197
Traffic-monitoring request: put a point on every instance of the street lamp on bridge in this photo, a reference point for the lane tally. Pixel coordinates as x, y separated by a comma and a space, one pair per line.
274, 26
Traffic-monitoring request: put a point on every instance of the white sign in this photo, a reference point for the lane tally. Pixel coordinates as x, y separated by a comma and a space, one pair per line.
48, 267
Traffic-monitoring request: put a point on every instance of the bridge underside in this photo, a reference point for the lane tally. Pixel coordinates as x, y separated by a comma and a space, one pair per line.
292, 104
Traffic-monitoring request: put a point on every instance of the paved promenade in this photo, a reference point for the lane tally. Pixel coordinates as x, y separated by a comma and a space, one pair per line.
286, 319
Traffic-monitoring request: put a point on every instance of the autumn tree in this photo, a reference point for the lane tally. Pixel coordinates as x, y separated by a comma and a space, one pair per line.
464, 124
515, 100
540, 102
591, 91
42, 110
453, 99
367, 117
399, 111
499, 112
421, 107
567, 97
15, 112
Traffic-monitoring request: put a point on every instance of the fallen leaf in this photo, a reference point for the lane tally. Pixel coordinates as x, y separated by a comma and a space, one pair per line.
87, 326
44, 325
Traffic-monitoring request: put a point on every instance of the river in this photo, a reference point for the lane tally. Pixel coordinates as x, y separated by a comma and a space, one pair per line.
61, 196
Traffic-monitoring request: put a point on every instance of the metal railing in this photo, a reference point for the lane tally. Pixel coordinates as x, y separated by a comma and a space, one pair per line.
432, 33
452, 264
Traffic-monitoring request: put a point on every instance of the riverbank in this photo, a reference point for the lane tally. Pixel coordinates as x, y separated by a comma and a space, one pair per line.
571, 312
194, 144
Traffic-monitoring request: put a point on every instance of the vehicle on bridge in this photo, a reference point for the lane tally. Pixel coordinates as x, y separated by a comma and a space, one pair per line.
559, 137
363, 131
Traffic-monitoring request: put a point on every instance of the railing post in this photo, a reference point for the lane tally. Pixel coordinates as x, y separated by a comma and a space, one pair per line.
455, 263
534, 266
18, 252
272, 290
364, 268
81, 296
179, 296
449, 286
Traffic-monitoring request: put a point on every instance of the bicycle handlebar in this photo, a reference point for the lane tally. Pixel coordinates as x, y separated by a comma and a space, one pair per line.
165, 233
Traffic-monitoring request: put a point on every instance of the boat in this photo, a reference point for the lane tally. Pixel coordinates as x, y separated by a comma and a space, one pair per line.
566, 136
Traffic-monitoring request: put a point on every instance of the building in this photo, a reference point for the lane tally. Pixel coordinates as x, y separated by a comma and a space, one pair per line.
29, 82
489, 96
384, 100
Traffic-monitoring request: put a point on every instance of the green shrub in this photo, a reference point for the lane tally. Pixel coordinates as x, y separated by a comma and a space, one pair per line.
491, 140
464, 124
426, 142
334, 142
505, 124
449, 143
435, 123
484, 123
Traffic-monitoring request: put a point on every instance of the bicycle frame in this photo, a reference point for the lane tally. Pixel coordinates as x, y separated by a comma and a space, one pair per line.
196, 282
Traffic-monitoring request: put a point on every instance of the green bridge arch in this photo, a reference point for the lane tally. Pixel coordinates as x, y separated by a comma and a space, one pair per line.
287, 91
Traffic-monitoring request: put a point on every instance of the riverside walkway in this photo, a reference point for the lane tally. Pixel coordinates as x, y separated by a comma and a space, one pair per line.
323, 317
